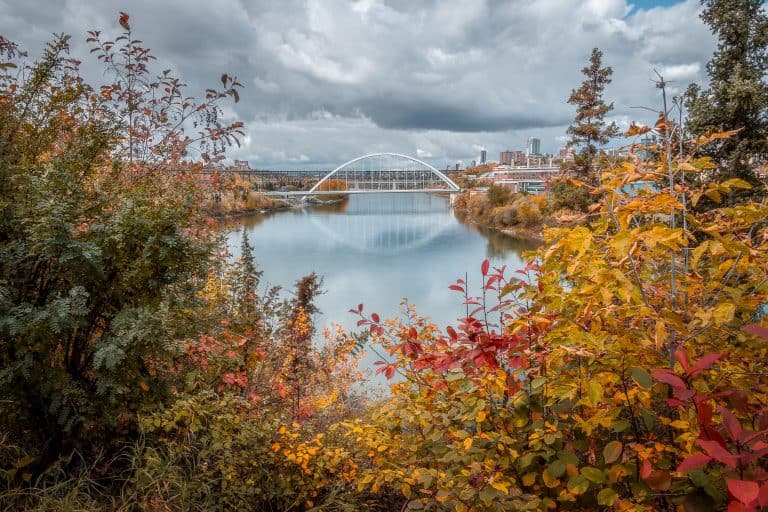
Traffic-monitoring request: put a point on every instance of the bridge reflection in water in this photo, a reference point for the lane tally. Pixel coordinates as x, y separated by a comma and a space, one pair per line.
374, 226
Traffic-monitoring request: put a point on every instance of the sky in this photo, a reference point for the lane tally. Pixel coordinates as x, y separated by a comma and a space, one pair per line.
329, 80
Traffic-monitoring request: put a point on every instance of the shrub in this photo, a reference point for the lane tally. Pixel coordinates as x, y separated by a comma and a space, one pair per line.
570, 196
479, 207
505, 216
498, 195
611, 372
100, 252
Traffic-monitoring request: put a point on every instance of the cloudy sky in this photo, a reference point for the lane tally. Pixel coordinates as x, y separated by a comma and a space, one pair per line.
329, 80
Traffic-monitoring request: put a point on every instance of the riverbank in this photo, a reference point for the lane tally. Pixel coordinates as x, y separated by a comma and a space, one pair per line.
522, 216
258, 204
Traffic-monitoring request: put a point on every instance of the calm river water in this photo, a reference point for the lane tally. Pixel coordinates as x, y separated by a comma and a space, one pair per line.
377, 249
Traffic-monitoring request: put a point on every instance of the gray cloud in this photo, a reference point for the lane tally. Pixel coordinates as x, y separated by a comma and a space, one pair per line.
327, 80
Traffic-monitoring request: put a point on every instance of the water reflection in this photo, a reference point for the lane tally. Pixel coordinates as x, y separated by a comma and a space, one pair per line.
378, 249
372, 225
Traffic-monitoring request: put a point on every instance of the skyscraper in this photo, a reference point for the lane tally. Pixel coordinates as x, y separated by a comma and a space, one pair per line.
534, 146
483, 156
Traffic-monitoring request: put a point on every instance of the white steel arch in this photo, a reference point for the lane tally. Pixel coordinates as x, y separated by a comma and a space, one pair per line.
451, 185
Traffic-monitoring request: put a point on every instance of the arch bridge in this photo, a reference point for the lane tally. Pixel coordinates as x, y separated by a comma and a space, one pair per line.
383, 172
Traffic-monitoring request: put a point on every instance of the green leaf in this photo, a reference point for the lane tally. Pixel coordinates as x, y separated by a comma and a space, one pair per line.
593, 475
641, 378
607, 497
556, 468
594, 392
612, 452
578, 484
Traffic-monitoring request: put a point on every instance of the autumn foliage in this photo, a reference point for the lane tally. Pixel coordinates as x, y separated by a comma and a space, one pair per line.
146, 368
622, 369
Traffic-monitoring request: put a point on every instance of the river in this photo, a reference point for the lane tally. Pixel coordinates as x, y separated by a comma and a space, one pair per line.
377, 249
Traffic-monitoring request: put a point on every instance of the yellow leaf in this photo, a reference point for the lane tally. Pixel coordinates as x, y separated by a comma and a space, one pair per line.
406, 490
660, 336
594, 391
724, 313
529, 479
736, 183
481, 415
382, 447
468, 443
680, 424
549, 480
276, 447
500, 486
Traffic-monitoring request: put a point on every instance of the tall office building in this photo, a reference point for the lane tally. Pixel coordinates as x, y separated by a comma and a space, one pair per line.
534, 146
483, 156
506, 157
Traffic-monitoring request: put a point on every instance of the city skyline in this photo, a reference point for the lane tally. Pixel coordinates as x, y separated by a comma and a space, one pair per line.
328, 81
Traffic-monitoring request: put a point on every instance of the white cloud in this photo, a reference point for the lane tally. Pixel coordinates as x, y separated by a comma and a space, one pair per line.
328, 80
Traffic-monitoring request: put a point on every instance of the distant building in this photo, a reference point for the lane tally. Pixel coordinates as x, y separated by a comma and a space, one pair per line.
457, 167
474, 163
567, 154
649, 145
483, 156
242, 165
534, 146
533, 180
510, 157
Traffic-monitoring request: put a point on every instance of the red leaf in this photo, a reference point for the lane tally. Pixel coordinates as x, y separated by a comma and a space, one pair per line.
375, 317
123, 20
762, 498
757, 330
645, 470
484, 267
717, 452
456, 287
389, 372
762, 422
359, 308
682, 357
731, 423
452, 333
659, 480
705, 362
714, 435
744, 491
694, 462
667, 377
704, 414
412, 334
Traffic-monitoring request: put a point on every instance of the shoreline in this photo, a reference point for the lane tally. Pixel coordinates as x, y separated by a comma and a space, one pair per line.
282, 205
533, 234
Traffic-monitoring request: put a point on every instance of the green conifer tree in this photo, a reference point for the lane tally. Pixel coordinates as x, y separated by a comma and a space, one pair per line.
589, 128
737, 97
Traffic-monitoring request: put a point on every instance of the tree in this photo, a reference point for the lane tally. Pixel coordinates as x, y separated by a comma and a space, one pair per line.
737, 97
498, 195
101, 251
589, 128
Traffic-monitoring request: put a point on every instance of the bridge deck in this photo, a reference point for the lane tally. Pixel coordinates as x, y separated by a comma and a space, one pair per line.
345, 192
